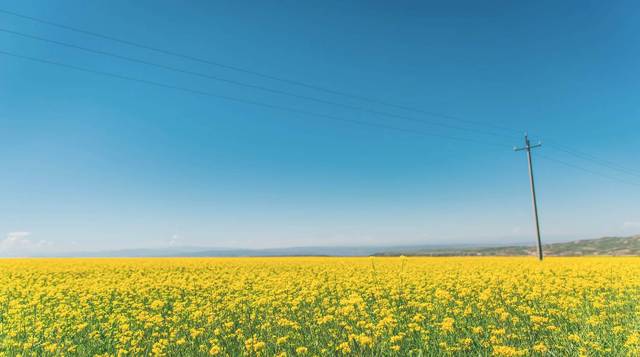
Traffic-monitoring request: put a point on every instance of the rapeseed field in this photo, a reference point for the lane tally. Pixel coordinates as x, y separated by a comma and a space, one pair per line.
320, 307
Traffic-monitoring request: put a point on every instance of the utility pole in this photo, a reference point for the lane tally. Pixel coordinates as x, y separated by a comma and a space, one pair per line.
528, 147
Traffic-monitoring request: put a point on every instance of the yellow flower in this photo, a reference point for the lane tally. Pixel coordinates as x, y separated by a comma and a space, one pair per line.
633, 340
447, 324
214, 350
344, 347
157, 304
258, 346
507, 351
364, 340
466, 342
540, 347
573, 338
340, 306
301, 350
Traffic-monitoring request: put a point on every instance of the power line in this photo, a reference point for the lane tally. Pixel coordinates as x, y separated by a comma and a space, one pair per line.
247, 85
563, 148
243, 101
577, 167
252, 72
594, 159
330, 117
591, 158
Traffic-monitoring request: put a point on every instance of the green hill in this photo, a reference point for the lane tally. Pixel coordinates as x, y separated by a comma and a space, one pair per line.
614, 246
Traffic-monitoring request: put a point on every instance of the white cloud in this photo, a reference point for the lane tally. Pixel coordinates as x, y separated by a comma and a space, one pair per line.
19, 244
175, 240
631, 225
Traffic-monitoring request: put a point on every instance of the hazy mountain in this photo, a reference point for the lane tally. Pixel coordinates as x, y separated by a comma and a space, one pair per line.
601, 246
269, 252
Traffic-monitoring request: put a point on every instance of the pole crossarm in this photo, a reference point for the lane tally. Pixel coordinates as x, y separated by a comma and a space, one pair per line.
528, 148
527, 145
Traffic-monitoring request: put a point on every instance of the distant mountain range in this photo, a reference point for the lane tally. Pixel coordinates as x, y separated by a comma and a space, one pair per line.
269, 252
615, 246
602, 246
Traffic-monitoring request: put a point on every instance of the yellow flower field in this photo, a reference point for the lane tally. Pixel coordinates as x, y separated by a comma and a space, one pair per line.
320, 306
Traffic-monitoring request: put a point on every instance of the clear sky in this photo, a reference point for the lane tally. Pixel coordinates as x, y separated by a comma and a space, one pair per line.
93, 162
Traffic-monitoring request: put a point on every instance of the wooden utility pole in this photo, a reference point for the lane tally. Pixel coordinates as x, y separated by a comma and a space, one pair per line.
528, 147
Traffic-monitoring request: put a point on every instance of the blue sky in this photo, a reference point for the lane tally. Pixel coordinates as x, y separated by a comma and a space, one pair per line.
92, 162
